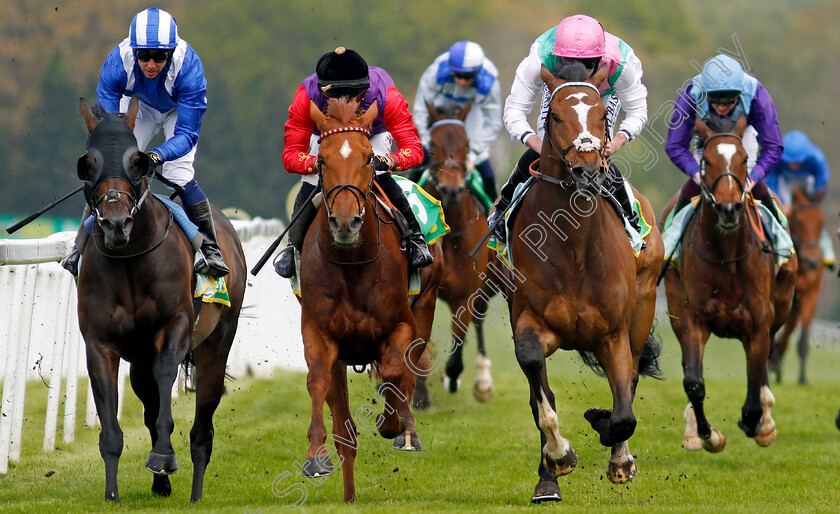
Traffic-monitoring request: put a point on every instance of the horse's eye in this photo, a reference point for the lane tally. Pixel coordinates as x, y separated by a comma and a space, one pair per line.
555, 118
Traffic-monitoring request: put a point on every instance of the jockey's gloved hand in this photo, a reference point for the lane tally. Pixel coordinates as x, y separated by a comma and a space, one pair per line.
155, 159
382, 163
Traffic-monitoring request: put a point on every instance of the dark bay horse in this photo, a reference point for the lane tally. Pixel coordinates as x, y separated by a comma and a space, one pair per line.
727, 286
582, 286
354, 299
806, 223
135, 290
463, 287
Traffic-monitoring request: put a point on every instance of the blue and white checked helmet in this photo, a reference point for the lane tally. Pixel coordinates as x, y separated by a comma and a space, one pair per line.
466, 57
153, 28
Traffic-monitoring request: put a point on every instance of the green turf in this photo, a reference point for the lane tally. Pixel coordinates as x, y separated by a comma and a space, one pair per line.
477, 457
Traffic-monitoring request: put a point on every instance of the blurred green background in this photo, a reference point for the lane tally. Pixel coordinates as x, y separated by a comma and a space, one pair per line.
256, 52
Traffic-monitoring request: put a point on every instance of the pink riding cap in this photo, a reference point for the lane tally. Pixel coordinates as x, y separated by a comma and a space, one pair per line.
579, 37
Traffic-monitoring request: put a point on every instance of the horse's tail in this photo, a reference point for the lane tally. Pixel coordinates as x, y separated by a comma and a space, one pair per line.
188, 365
648, 362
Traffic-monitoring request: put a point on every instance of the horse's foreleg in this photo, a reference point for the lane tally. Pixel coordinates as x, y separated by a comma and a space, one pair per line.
806, 317
557, 456
757, 349
145, 387
461, 319
173, 348
780, 341
699, 433
210, 364
320, 355
103, 367
397, 422
345, 435
483, 384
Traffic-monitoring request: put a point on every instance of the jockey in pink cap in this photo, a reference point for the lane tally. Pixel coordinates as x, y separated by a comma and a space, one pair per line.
576, 39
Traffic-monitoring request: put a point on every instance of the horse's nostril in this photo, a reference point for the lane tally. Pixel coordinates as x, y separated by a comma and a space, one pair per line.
334, 226
738, 207
356, 223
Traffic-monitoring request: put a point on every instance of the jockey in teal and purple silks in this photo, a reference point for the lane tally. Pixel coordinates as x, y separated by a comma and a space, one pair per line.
724, 91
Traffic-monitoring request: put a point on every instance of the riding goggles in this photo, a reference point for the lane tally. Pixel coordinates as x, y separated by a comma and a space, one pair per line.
152, 54
464, 75
724, 97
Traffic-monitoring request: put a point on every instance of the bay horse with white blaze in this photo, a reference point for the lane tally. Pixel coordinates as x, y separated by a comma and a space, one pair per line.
354, 298
585, 290
463, 287
135, 290
806, 223
727, 286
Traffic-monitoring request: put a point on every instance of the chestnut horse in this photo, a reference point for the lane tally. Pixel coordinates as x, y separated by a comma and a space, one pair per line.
354, 298
806, 222
135, 290
582, 286
727, 286
463, 287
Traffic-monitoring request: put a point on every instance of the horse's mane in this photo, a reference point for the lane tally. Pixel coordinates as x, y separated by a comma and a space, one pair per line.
573, 72
721, 124
342, 109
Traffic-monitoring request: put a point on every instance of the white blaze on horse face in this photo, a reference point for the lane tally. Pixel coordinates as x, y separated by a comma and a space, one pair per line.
345, 150
727, 151
582, 110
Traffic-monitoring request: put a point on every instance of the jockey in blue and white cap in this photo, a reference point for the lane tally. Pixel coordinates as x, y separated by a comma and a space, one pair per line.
463, 74
164, 71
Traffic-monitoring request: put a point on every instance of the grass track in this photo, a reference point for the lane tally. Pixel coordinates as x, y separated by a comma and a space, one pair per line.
477, 457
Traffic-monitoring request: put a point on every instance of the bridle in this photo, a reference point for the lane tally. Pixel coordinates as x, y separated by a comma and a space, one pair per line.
579, 144
359, 195
706, 188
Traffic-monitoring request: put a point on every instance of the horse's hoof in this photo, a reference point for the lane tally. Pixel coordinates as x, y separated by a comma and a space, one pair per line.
482, 395
751, 432
692, 443
451, 385
766, 439
621, 473
546, 491
561, 466
317, 466
162, 464
112, 497
408, 444
715, 443
161, 486
421, 399
599, 419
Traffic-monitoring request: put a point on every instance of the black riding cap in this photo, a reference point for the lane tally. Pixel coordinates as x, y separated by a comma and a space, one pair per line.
342, 72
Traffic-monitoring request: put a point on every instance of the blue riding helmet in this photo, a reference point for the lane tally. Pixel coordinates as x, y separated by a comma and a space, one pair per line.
797, 147
153, 28
466, 57
722, 73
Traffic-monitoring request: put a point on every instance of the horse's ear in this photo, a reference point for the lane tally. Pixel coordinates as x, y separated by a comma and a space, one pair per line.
317, 116
740, 126
369, 116
87, 113
133, 109
550, 80
703, 129
434, 115
463, 111
600, 76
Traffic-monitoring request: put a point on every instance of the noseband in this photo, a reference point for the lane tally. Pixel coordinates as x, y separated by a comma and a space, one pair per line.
359, 195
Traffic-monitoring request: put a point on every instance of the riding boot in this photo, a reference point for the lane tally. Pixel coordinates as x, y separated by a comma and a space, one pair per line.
285, 263
71, 262
503, 202
212, 264
620, 194
418, 252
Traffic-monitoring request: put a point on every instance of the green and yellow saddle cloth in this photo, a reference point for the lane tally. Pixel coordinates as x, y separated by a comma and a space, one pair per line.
474, 183
429, 214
